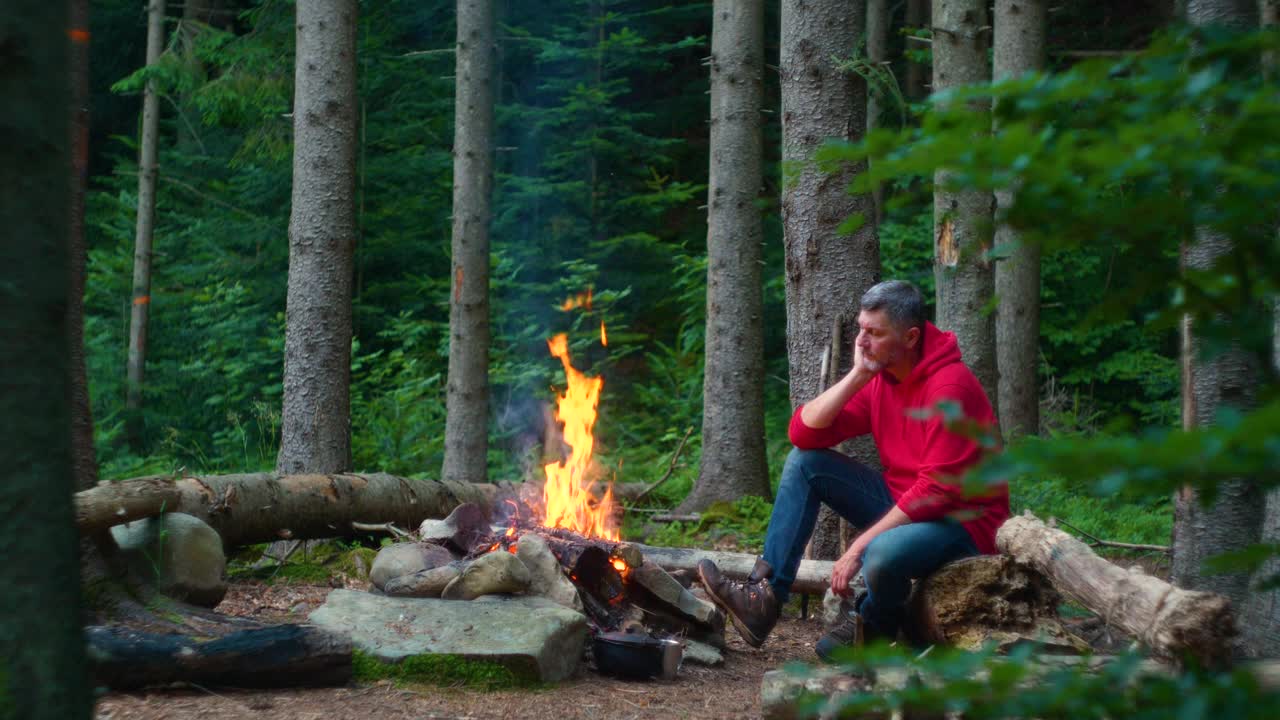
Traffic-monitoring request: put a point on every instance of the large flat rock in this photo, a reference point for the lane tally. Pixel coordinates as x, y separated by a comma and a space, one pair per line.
533, 637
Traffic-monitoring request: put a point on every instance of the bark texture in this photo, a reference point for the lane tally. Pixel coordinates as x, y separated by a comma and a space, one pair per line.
1261, 613
989, 599
733, 457
826, 271
466, 438
1172, 622
1019, 48
962, 218
1235, 519
261, 507
315, 432
877, 55
84, 458
277, 656
917, 15
42, 659
144, 231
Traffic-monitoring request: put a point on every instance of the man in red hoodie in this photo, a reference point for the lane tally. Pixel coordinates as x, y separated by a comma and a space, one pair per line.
915, 517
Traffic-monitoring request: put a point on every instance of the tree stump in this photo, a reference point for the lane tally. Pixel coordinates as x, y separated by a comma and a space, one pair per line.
987, 599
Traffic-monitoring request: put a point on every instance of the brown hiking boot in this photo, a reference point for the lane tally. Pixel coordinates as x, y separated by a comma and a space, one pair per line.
750, 604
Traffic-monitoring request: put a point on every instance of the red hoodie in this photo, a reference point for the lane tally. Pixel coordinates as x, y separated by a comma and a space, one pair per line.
923, 461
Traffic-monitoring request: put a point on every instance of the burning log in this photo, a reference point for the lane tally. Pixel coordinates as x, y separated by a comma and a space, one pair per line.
1171, 621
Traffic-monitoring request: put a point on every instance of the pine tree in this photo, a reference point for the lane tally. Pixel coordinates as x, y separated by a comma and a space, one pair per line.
467, 422
733, 459
965, 279
316, 413
1019, 47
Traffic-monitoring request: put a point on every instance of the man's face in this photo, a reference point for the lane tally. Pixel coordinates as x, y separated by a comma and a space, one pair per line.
883, 345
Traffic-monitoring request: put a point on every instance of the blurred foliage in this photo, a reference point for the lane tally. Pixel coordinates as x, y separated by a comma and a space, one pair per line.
987, 685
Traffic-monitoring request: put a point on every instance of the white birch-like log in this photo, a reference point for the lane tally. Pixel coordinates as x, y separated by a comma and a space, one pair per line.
1172, 622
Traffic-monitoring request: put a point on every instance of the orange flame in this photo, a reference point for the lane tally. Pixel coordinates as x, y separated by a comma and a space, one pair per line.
567, 494
576, 301
604, 338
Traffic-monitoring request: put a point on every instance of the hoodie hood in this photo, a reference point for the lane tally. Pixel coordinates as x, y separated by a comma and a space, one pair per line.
940, 349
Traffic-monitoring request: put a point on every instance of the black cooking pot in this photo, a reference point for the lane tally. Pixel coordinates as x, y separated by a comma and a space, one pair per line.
636, 655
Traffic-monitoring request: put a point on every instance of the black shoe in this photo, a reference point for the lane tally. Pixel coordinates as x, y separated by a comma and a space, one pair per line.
750, 604
851, 631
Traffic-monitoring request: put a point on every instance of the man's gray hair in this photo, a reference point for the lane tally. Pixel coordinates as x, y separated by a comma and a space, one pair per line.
901, 302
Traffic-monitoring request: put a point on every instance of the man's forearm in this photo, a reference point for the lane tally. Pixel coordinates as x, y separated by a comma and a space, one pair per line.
821, 411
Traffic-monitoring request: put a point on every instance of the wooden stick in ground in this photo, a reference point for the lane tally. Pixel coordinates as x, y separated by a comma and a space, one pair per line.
670, 467
1097, 542
1172, 622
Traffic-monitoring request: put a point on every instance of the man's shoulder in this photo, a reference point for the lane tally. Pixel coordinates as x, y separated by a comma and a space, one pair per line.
954, 380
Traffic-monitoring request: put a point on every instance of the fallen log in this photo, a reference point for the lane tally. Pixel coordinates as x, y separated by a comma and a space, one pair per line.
263, 507
814, 576
1172, 622
987, 600
276, 656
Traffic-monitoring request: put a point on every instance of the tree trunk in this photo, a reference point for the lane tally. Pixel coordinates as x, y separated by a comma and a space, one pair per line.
315, 432
826, 271
83, 456
961, 218
733, 459
1020, 27
918, 13
293, 506
1261, 613
44, 670
466, 438
273, 656
147, 171
1172, 622
987, 600
261, 507
1235, 519
878, 56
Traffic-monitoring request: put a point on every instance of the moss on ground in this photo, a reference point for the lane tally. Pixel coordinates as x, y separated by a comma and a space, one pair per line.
448, 670
315, 565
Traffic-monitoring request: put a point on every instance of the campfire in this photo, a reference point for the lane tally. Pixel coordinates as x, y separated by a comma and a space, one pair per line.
564, 543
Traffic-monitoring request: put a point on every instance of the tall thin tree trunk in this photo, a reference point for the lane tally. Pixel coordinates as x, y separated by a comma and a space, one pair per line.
83, 455
877, 55
1019, 47
1261, 613
315, 432
733, 458
466, 439
965, 279
1235, 519
43, 671
826, 271
917, 15
142, 244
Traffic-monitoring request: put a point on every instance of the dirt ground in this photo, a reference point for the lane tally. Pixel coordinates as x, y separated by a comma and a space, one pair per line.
729, 691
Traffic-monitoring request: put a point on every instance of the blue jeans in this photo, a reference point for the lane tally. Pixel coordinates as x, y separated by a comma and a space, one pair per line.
858, 494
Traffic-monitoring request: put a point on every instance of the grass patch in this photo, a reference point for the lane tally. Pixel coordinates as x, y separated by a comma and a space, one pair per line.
1146, 520
447, 670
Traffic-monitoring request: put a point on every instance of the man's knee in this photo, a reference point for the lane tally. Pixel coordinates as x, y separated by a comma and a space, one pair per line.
882, 559
800, 464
